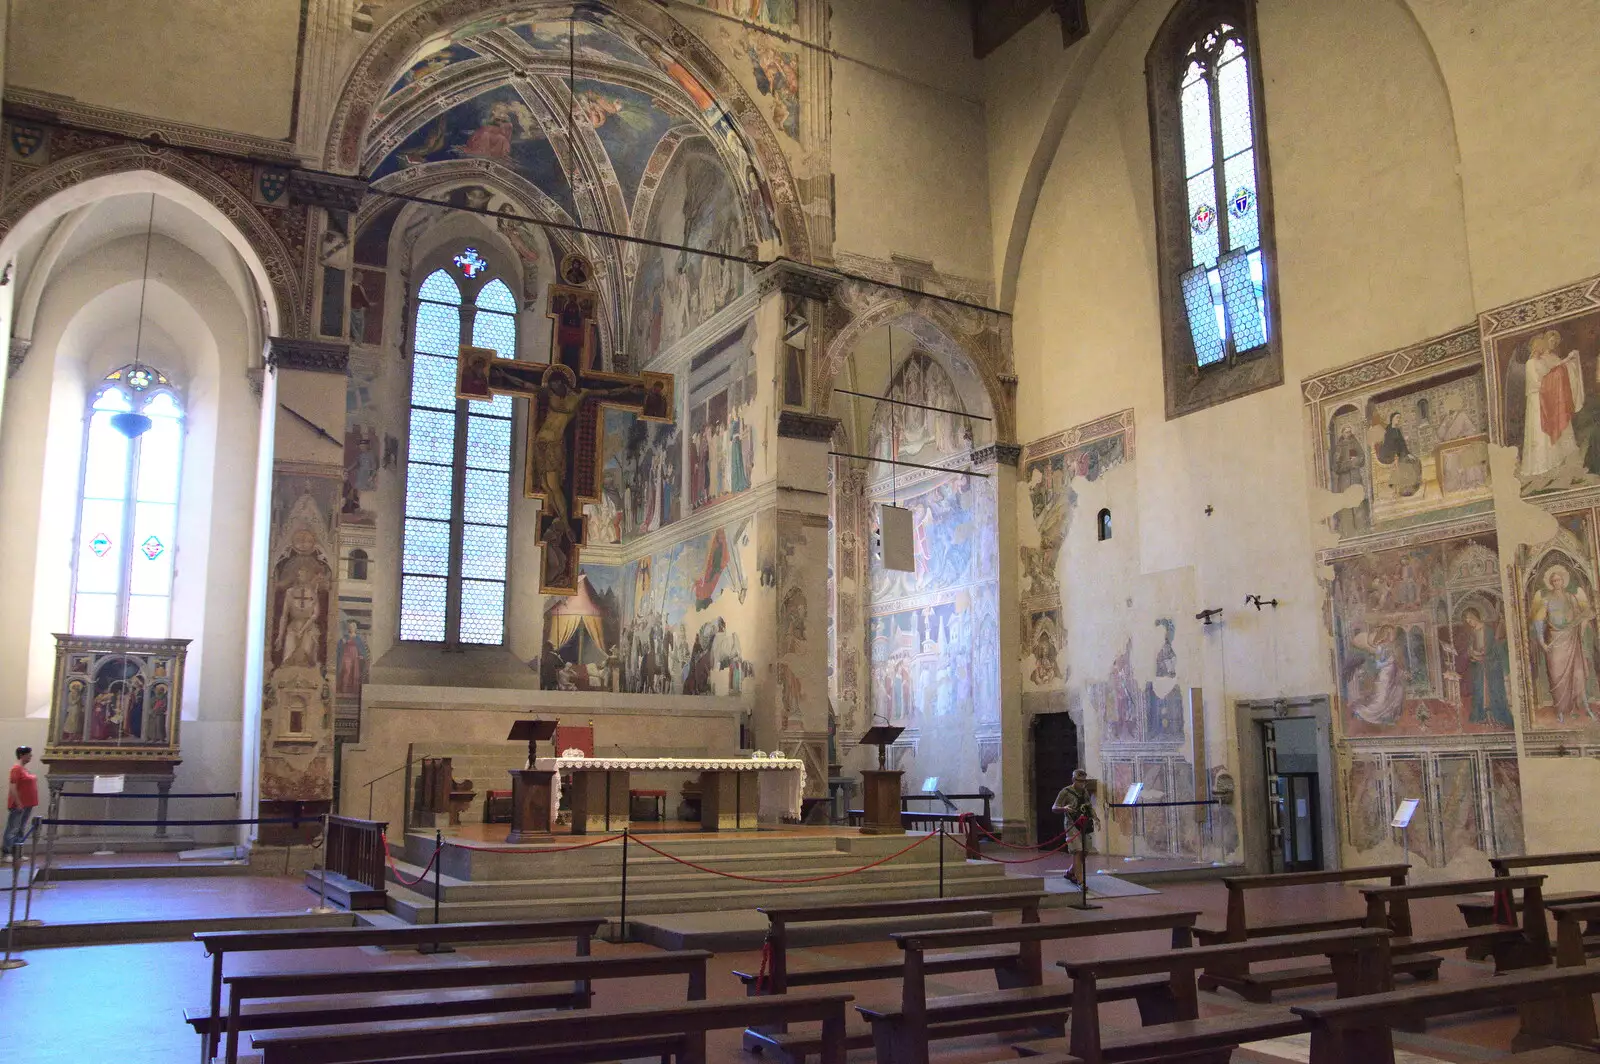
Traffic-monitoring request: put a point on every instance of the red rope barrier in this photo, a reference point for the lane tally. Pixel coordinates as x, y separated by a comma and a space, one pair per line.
763, 879
1065, 847
763, 976
966, 817
399, 875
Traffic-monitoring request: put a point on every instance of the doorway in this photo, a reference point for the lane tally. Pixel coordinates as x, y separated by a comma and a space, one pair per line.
1055, 758
1289, 760
1285, 787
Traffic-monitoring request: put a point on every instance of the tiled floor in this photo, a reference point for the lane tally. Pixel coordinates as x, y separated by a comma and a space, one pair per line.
122, 1003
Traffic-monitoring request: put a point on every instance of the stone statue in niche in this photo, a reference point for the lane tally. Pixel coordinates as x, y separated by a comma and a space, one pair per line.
299, 633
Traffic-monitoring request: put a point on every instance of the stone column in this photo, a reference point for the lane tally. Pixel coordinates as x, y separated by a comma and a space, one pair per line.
297, 748
1014, 804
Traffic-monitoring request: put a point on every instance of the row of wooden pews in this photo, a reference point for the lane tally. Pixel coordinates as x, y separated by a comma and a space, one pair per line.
540, 1010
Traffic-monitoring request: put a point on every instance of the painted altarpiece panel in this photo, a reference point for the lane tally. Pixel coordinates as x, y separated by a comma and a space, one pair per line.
116, 702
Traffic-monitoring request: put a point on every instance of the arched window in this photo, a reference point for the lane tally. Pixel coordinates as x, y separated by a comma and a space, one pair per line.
128, 508
1213, 206
1103, 525
458, 464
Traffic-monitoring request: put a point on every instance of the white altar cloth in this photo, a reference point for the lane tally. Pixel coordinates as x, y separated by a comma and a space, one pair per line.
782, 779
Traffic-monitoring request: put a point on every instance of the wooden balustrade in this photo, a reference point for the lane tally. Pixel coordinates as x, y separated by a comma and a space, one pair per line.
354, 849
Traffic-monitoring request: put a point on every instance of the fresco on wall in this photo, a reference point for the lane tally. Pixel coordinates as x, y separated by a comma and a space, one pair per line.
775, 12
641, 479
363, 446
1505, 804
628, 124
1420, 451
1421, 642
1548, 390
1048, 468
723, 416
1366, 804
578, 649
683, 611
777, 74
695, 205
1556, 582
953, 529
366, 306
924, 436
531, 246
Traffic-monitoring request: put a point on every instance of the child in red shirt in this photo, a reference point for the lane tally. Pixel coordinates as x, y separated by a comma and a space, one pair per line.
22, 794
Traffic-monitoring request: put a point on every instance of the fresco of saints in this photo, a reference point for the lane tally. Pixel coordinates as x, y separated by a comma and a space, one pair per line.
1554, 392
1405, 469
1348, 459
1385, 701
1560, 619
1483, 665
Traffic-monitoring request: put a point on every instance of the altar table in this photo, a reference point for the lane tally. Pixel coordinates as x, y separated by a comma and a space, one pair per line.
729, 799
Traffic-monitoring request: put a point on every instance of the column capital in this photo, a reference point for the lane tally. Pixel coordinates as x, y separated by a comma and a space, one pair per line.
1009, 454
798, 425
316, 356
798, 279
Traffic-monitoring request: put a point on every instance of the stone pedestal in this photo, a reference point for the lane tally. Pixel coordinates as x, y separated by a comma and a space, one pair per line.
880, 804
729, 801
599, 801
530, 805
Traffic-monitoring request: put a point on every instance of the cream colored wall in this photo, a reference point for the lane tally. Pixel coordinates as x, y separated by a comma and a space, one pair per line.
1387, 233
180, 59
908, 155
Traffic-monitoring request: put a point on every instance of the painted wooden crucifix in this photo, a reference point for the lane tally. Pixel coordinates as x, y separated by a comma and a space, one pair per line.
566, 427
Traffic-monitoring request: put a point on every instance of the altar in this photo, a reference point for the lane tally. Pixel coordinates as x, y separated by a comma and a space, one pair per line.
736, 793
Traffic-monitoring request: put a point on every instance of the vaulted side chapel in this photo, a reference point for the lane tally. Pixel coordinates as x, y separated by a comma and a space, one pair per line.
384, 374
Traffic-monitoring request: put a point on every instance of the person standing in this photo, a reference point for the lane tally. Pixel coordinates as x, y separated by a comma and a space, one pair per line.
22, 794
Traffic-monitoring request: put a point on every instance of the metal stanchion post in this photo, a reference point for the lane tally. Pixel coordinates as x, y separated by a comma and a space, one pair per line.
438, 887
33, 862
11, 921
622, 919
322, 895
1083, 872
941, 858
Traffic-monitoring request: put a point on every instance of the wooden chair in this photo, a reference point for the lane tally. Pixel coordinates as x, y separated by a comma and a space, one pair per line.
902, 1034
220, 943
391, 993
563, 1038
1260, 986
1359, 1029
1358, 959
779, 978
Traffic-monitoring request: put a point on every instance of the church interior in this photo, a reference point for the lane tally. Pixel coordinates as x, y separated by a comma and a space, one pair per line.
511, 502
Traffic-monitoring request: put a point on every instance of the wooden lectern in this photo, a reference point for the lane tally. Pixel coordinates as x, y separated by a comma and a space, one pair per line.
530, 787
880, 804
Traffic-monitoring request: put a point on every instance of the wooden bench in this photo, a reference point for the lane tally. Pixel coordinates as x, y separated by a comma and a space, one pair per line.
901, 1035
1480, 911
1359, 1029
582, 1037
220, 943
1260, 986
779, 978
1510, 945
1359, 960
265, 1002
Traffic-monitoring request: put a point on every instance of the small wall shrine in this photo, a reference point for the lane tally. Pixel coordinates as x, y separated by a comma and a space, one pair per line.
115, 704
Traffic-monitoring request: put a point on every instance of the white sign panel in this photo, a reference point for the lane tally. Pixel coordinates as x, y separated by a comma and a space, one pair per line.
109, 784
899, 547
1404, 812
1132, 797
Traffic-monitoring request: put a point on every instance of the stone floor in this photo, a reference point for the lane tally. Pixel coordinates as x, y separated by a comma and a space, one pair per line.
122, 1002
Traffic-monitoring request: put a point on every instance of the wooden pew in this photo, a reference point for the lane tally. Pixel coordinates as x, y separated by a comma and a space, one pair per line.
1479, 912
1358, 1029
1260, 986
791, 1048
1510, 945
1574, 943
472, 987
1358, 958
561, 1038
220, 943
901, 1034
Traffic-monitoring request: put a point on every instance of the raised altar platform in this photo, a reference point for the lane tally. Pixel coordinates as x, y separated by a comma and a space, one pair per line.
736, 793
485, 879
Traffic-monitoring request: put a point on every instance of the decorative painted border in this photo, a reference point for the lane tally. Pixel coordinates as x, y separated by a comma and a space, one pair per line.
1078, 435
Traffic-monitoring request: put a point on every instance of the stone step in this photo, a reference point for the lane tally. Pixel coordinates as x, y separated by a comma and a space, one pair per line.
416, 907
670, 877
643, 862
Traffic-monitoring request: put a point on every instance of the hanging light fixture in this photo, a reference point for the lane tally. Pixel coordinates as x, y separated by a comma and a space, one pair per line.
132, 423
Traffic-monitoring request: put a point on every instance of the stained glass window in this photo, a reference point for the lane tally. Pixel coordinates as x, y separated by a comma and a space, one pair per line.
128, 509
458, 467
1224, 285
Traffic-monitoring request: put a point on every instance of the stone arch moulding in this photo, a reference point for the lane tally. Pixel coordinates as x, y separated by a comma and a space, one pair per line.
391, 46
937, 329
40, 197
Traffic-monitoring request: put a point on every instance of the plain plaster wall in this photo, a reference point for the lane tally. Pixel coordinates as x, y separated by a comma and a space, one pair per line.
179, 60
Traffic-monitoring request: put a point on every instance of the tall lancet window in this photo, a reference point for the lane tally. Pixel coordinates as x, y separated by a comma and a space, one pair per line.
1213, 206
458, 464
128, 508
